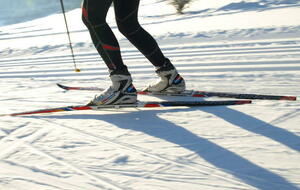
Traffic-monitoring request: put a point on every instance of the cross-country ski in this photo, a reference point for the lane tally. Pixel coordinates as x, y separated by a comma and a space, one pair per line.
194, 93
137, 105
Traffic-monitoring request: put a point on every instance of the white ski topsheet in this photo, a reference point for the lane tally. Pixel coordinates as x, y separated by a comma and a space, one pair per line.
231, 46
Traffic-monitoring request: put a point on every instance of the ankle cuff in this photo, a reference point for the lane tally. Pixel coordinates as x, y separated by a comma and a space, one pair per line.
167, 66
119, 72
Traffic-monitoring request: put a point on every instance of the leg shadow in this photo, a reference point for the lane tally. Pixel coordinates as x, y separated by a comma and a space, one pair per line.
257, 126
150, 123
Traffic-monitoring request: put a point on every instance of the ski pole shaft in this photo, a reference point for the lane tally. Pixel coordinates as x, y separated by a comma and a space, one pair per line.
69, 37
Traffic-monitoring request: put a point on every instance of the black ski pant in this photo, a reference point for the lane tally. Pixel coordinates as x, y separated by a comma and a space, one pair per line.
94, 14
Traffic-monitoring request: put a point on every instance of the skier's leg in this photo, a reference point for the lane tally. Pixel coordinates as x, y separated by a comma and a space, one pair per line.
94, 17
127, 21
121, 91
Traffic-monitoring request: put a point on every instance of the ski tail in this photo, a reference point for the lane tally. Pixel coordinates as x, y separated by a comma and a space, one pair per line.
204, 103
79, 88
50, 110
246, 96
138, 105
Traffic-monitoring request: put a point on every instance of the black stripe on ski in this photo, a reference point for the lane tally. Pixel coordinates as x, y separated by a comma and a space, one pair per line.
247, 96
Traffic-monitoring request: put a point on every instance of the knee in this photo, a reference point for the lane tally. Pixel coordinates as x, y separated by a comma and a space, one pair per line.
91, 18
128, 26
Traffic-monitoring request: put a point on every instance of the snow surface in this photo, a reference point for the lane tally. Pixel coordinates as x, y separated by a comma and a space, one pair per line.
250, 46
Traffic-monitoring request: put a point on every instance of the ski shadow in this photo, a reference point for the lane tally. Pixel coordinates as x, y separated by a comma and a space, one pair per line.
149, 122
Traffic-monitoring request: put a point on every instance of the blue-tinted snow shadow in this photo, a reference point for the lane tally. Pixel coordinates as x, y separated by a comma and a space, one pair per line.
257, 126
261, 5
150, 123
231, 8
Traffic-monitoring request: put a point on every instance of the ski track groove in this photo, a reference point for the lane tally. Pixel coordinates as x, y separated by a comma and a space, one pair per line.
157, 157
169, 177
5, 150
16, 143
28, 141
205, 67
285, 117
229, 53
46, 180
180, 64
168, 51
102, 180
185, 72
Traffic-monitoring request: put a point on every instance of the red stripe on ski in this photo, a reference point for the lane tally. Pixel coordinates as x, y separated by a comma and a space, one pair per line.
73, 88
152, 105
292, 98
198, 95
74, 108
36, 112
143, 93
83, 108
244, 102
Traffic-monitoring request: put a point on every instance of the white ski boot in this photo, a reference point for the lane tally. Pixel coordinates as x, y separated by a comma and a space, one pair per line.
120, 92
170, 81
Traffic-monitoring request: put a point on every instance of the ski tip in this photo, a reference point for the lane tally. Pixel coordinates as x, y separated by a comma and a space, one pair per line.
291, 98
62, 86
10, 114
244, 102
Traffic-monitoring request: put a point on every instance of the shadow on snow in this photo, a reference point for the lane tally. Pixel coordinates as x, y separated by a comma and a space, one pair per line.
218, 156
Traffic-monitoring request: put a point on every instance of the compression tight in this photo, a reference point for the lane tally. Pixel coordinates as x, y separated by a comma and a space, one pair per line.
94, 14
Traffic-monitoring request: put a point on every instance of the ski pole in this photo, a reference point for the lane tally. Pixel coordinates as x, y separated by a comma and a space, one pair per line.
68, 32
